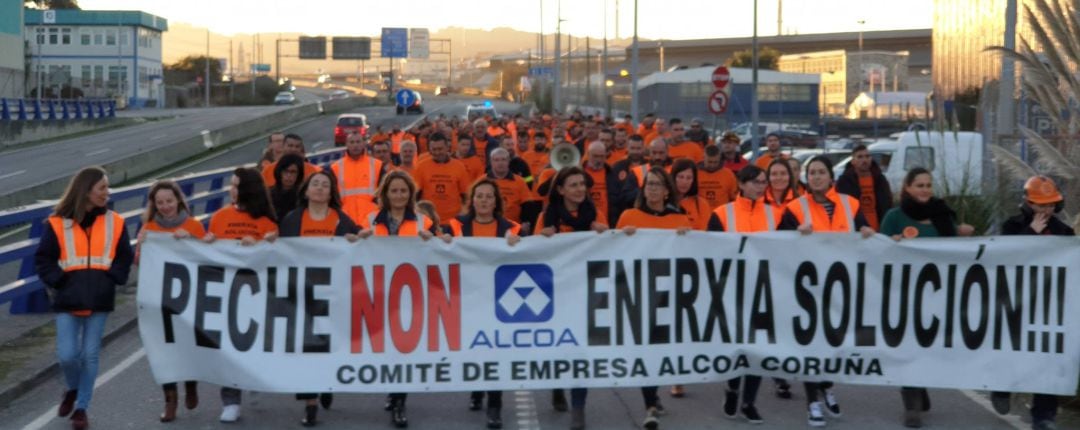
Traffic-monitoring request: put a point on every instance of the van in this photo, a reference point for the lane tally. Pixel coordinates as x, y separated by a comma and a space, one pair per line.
954, 158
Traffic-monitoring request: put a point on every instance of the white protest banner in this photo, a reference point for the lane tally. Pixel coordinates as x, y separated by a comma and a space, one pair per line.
599, 310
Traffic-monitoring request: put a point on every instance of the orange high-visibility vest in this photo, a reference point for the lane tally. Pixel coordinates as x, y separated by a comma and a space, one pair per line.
747, 216
806, 210
409, 228
358, 184
94, 249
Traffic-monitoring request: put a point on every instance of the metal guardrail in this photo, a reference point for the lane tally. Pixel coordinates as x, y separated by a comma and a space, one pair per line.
55, 109
205, 193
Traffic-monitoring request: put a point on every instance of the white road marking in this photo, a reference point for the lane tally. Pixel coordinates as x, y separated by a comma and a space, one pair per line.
98, 152
525, 404
317, 145
50, 414
8, 175
1012, 420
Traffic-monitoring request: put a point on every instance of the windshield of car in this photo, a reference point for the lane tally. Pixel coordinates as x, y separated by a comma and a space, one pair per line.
350, 121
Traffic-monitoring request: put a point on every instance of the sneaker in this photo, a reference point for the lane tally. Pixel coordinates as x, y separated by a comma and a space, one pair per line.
476, 403
651, 421
577, 419
731, 404
389, 404
831, 404
1044, 425
1001, 402
230, 413
814, 416
783, 391
751, 414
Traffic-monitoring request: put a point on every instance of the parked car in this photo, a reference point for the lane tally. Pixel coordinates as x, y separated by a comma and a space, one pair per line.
954, 158
349, 123
339, 94
793, 138
285, 98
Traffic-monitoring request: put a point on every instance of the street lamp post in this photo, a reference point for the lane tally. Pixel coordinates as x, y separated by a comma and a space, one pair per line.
859, 71
754, 111
634, 70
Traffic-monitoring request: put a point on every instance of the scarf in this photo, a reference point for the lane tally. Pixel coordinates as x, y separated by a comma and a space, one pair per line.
171, 222
936, 210
558, 216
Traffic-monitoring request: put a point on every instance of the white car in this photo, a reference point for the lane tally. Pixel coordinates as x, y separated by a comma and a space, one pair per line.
480, 110
339, 94
285, 98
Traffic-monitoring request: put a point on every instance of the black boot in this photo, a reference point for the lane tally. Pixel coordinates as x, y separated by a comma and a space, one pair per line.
397, 414
310, 411
476, 400
558, 400
494, 418
326, 399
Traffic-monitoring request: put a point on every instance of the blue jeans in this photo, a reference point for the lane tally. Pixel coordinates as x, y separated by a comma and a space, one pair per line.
78, 344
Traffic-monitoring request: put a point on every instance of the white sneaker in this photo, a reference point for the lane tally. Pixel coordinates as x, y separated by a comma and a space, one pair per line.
831, 404
814, 415
230, 413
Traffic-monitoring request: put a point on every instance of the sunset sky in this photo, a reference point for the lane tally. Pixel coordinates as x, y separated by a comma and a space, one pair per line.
658, 19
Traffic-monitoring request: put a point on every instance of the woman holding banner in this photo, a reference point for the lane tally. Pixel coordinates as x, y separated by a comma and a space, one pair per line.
397, 216
783, 187
83, 254
920, 214
748, 213
823, 210
250, 219
484, 218
570, 209
318, 214
167, 212
656, 207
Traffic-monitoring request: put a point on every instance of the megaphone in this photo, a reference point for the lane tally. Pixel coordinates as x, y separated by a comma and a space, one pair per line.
564, 155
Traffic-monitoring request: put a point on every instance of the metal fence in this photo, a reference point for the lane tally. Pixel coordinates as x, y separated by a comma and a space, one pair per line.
55, 109
205, 193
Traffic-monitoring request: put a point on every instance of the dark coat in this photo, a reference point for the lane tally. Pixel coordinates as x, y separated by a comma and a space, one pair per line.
86, 289
1021, 225
848, 183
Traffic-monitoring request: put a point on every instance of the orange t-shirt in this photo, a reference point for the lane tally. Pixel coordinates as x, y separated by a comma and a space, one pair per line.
717, 187
765, 159
268, 174
474, 165
191, 225
640, 219
616, 155
514, 192
698, 211
230, 223
686, 149
536, 161
868, 201
312, 227
598, 192
444, 184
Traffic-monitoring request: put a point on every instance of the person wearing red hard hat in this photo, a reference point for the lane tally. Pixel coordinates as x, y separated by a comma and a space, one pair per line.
1042, 200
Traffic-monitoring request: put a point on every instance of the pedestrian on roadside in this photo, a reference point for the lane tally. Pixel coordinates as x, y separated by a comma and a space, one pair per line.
1042, 200
318, 214
249, 219
920, 214
167, 212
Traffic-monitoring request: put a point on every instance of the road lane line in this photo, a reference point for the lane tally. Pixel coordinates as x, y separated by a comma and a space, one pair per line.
8, 175
98, 152
1012, 420
525, 405
50, 414
317, 145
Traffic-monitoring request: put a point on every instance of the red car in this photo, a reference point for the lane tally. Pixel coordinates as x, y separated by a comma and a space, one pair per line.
349, 123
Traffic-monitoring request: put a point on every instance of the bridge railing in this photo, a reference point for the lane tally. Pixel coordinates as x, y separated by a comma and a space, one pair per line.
205, 192
55, 109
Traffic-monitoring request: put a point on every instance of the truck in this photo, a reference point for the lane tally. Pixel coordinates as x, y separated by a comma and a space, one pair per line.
955, 159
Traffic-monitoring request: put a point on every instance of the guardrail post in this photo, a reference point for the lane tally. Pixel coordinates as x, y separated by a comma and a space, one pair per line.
37, 110
37, 301
5, 115
100, 108
78, 109
22, 110
89, 109
112, 108
64, 109
52, 109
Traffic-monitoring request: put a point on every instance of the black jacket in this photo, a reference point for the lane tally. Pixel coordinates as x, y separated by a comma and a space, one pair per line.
290, 224
848, 183
87, 289
1021, 225
622, 191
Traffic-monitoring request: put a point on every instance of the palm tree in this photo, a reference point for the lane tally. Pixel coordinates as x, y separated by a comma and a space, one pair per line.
1049, 61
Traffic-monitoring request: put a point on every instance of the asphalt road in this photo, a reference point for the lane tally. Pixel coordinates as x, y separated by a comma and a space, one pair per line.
128, 398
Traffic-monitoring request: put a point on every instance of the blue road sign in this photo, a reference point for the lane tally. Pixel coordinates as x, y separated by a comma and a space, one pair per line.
541, 71
405, 98
395, 42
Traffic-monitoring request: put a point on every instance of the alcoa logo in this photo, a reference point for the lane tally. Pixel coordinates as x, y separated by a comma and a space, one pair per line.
524, 293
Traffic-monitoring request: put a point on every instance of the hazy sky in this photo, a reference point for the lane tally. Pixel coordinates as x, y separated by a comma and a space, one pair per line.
658, 19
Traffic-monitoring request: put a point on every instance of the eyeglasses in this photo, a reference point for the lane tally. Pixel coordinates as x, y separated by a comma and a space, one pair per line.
759, 182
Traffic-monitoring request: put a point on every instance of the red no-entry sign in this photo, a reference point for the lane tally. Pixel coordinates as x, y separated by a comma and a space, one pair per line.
721, 77
718, 102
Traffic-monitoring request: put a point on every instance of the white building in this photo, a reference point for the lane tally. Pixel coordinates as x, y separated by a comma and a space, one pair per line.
80, 53
12, 60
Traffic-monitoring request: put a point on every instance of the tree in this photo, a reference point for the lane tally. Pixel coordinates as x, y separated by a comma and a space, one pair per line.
53, 4
193, 66
768, 58
1048, 57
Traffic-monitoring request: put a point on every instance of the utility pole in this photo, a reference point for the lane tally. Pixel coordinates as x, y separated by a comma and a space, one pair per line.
1006, 115
603, 66
206, 77
859, 71
779, 17
754, 111
277, 59
634, 70
588, 79
556, 96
